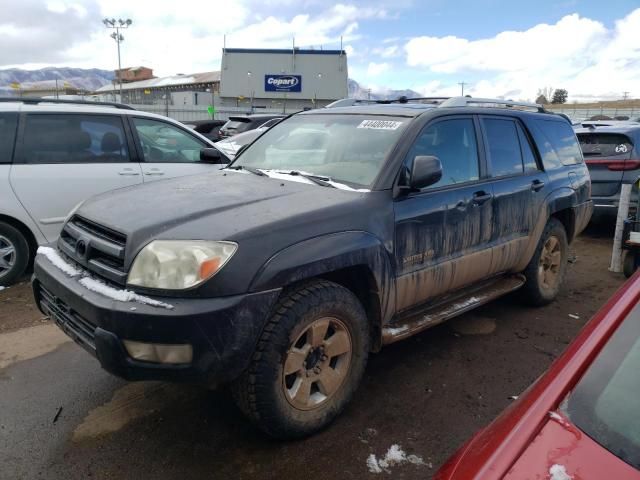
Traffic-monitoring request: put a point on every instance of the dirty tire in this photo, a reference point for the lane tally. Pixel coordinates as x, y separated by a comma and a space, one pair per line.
629, 264
263, 392
535, 291
14, 254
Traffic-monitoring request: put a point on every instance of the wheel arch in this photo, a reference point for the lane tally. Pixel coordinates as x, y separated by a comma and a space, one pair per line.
355, 260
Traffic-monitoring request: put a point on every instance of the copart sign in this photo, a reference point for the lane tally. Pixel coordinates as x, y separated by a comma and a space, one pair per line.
283, 83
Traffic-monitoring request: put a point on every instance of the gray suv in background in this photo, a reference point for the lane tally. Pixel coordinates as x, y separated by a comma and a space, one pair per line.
613, 158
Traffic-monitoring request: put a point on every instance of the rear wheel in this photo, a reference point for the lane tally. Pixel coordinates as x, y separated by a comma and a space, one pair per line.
14, 254
546, 270
308, 362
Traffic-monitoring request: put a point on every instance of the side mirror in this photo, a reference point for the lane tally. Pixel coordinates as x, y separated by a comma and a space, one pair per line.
212, 155
426, 171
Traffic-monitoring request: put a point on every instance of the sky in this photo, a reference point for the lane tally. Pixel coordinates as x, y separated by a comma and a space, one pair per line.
499, 48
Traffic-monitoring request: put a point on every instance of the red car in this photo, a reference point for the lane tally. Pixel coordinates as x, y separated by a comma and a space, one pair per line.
580, 420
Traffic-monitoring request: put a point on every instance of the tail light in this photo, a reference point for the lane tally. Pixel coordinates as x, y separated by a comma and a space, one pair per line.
614, 165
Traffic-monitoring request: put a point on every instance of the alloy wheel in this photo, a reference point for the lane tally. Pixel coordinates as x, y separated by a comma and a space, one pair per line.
550, 261
7, 256
317, 363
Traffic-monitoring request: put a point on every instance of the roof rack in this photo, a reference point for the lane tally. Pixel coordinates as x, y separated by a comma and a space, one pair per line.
403, 99
499, 102
38, 100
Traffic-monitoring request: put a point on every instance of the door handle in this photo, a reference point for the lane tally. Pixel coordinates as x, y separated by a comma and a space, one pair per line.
129, 172
480, 197
537, 185
154, 172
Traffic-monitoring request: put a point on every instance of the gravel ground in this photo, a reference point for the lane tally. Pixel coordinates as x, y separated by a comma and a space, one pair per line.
61, 416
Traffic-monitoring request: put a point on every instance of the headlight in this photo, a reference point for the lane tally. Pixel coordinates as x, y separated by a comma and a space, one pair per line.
179, 264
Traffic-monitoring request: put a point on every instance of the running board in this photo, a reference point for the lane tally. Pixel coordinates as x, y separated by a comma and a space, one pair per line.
452, 307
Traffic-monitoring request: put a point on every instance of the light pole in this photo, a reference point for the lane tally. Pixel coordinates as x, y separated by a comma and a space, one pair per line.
117, 25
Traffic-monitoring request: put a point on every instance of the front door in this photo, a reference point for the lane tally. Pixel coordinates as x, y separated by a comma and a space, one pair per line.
168, 151
519, 188
62, 159
442, 231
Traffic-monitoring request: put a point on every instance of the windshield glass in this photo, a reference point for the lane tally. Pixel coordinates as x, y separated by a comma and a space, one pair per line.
345, 148
606, 403
237, 124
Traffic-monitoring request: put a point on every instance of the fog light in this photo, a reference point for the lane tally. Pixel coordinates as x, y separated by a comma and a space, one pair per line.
159, 353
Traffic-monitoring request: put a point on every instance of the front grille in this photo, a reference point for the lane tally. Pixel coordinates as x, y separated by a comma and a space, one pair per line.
97, 248
78, 328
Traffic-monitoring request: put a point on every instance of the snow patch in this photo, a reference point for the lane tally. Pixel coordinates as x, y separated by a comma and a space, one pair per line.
55, 258
119, 295
1, 288
559, 472
394, 456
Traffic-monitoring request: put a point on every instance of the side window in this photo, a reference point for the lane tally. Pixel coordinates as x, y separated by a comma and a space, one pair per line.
528, 157
162, 142
559, 136
8, 123
72, 138
503, 146
454, 143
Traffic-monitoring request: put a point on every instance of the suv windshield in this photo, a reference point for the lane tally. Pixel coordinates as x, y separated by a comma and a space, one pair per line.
606, 402
344, 148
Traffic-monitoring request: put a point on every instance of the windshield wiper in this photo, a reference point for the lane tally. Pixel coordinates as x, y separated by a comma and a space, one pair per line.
255, 171
318, 180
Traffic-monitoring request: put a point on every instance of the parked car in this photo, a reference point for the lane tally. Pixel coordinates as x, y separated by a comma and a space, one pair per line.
55, 153
612, 154
230, 146
207, 128
578, 421
334, 233
243, 123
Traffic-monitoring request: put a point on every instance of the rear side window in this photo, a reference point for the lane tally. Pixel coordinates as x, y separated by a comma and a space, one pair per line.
605, 145
71, 138
557, 143
8, 123
504, 146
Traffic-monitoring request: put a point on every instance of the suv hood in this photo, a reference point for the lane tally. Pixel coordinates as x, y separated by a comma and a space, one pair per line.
227, 205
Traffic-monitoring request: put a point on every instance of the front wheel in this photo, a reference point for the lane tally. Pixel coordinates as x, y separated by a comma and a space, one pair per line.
546, 270
308, 362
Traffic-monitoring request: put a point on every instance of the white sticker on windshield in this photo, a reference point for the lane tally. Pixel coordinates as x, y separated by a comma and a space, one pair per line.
380, 124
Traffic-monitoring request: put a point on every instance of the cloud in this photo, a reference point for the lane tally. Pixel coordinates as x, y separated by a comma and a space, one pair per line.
375, 69
35, 31
575, 53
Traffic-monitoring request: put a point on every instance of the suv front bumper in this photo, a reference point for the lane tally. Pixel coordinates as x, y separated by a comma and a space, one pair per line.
223, 332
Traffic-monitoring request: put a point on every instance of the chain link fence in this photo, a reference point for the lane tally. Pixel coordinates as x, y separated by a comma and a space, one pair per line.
192, 113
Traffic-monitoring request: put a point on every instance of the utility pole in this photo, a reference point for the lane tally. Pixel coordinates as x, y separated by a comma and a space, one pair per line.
462, 84
625, 95
117, 25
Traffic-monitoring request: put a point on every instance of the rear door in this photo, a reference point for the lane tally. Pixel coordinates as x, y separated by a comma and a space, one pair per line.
62, 159
167, 150
608, 157
519, 187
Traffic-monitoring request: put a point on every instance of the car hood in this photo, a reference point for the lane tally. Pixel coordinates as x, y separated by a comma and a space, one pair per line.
226, 205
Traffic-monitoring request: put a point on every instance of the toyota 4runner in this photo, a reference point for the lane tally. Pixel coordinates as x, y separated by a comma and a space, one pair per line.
338, 231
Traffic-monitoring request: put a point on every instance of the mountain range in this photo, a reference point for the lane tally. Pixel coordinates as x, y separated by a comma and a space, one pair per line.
94, 78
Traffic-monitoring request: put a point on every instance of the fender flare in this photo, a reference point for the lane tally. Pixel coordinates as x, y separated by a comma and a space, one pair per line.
326, 254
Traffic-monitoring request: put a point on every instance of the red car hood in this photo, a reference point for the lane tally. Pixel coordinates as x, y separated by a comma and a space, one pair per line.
561, 451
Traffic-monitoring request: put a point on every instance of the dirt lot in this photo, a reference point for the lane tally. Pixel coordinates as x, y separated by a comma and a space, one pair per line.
62, 417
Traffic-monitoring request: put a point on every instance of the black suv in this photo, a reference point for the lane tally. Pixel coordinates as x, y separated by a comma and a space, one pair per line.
336, 232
